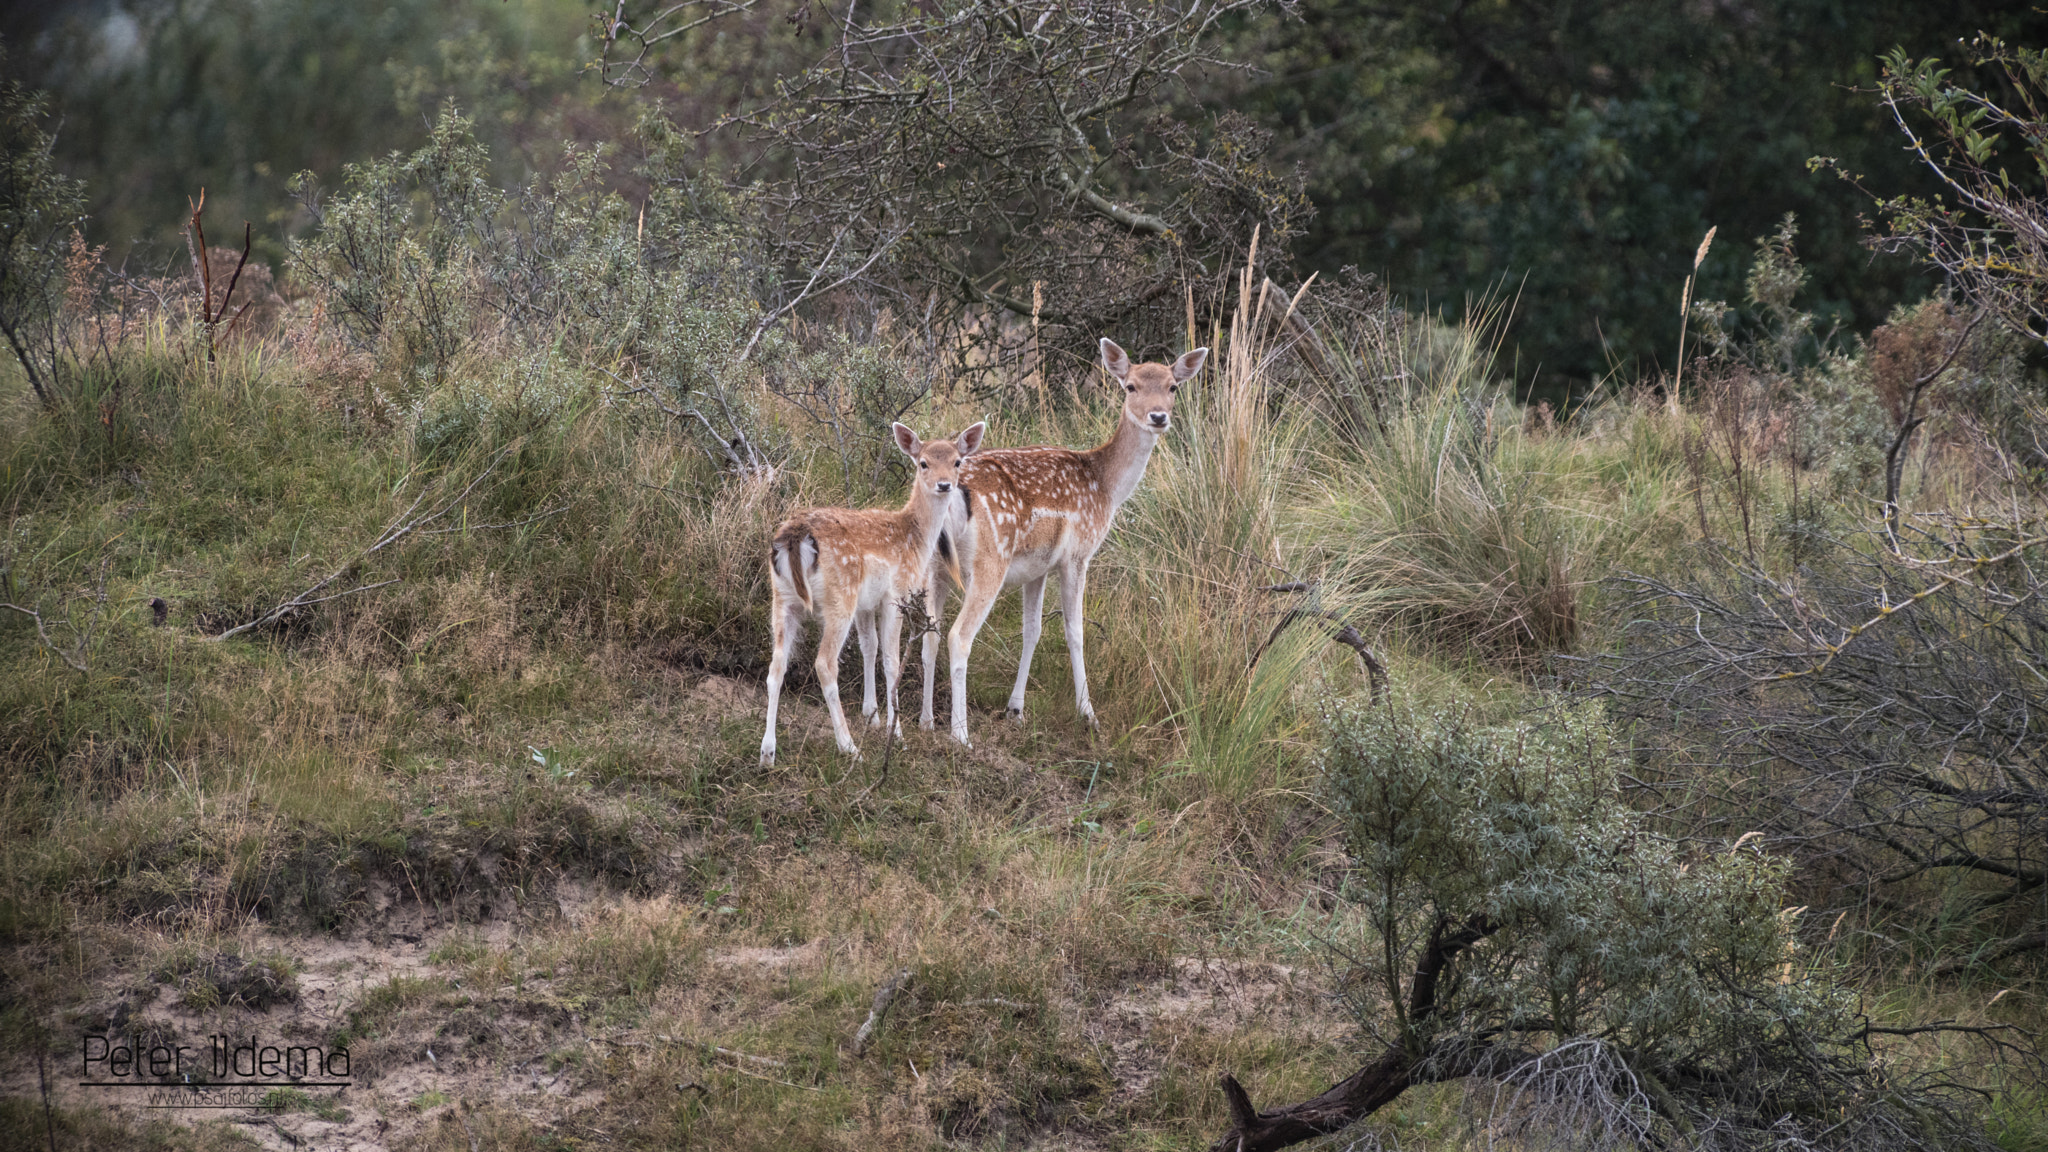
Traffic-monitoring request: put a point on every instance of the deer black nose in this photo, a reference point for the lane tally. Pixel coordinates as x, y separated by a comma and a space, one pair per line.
1159, 419
945, 485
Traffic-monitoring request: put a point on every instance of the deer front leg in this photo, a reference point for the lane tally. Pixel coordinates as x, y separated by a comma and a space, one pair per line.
892, 663
1073, 589
864, 624
974, 605
1034, 623
787, 620
831, 639
935, 609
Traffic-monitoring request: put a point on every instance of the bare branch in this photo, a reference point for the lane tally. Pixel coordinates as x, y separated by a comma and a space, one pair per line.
406, 524
77, 658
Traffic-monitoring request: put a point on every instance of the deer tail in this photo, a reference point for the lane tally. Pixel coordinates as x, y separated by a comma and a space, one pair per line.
795, 550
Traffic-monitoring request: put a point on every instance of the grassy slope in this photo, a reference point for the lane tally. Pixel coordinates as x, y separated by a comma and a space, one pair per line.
521, 733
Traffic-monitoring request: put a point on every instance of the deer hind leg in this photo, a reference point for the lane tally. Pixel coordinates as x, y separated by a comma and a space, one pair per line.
864, 625
979, 597
787, 620
935, 609
831, 640
1034, 623
1073, 589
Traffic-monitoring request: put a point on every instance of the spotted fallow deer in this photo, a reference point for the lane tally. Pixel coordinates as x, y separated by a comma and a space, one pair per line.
1032, 511
854, 569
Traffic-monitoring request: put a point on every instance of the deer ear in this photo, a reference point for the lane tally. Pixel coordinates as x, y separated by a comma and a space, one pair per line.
906, 439
1114, 359
1189, 364
970, 440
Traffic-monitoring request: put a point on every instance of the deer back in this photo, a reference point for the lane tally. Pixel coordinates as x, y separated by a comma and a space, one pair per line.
1034, 502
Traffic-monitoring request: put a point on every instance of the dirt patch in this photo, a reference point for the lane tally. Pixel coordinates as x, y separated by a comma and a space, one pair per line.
1216, 996
488, 1047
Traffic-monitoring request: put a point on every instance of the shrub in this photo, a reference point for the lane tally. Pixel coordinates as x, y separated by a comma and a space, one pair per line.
1522, 928
39, 209
1872, 714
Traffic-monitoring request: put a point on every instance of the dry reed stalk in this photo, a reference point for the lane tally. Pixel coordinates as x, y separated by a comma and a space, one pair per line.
1685, 306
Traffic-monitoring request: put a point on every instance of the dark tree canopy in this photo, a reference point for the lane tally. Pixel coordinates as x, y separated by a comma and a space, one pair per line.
1572, 155
159, 98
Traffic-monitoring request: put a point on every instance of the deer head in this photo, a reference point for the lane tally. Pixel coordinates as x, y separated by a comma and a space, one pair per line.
938, 461
1149, 388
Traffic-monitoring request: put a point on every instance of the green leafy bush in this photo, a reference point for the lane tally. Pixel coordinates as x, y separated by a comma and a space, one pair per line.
1522, 927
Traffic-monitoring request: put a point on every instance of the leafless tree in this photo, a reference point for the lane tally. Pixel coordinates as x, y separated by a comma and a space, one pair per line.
1877, 714
1008, 156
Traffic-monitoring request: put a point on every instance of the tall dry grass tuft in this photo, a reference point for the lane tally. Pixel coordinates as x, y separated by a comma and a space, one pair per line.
1463, 527
1181, 601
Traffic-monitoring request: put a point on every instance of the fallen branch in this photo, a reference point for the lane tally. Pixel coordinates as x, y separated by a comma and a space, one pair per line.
405, 525
1341, 631
886, 995
1995, 953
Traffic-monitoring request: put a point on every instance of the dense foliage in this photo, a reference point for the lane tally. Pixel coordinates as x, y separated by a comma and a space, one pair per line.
1524, 926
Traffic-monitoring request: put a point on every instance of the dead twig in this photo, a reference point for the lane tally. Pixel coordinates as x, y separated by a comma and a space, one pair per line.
761, 1060
886, 995
210, 317
76, 659
43, 1077
1341, 630
1910, 420
751, 464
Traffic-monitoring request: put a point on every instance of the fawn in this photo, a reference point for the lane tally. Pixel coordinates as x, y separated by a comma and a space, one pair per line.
1030, 511
855, 568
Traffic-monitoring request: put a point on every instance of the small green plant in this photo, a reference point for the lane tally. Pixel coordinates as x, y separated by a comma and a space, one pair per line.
299, 1100
227, 979
429, 1099
552, 765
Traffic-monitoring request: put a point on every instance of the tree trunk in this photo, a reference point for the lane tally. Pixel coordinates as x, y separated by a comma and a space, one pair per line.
1350, 1100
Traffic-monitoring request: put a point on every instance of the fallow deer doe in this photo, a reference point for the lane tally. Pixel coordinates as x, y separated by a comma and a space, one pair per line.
1031, 511
855, 568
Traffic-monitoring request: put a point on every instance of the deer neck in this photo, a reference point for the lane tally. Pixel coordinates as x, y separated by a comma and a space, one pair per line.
925, 516
1121, 462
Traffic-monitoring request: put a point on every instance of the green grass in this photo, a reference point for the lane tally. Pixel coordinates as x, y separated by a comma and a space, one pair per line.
380, 748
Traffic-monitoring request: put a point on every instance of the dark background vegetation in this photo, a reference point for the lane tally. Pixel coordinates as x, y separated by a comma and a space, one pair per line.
1565, 156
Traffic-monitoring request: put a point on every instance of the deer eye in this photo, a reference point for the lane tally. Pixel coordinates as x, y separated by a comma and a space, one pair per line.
1130, 387
924, 463
1173, 387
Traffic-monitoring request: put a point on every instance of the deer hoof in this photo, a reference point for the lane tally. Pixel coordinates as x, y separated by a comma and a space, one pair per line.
767, 755
1016, 714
